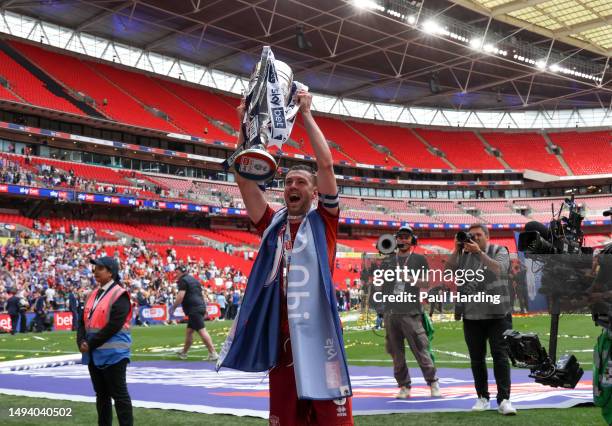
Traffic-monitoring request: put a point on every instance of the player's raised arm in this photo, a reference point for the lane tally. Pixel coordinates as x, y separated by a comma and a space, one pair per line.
251, 194
326, 180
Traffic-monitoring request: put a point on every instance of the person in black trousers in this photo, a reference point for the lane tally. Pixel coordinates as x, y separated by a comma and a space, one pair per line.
484, 322
39, 310
103, 337
12, 307
73, 307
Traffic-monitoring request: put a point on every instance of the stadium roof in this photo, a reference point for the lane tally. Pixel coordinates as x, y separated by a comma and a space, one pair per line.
428, 58
567, 20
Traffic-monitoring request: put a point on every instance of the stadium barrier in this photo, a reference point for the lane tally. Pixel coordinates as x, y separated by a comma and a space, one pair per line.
156, 314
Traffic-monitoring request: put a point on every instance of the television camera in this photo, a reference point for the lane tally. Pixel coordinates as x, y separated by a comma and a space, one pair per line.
565, 265
526, 351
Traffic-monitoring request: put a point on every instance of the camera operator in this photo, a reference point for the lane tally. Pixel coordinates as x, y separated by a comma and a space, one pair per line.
600, 297
485, 321
404, 320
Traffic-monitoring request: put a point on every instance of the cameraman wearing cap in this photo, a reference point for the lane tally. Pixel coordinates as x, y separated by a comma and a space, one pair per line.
104, 339
485, 321
404, 320
191, 297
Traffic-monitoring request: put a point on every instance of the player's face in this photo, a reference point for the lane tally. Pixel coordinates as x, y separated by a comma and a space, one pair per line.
299, 192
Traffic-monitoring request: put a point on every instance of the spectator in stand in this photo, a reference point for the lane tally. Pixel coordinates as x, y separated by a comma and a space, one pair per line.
60, 270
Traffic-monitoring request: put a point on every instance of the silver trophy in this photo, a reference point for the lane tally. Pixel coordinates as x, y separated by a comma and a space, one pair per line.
269, 117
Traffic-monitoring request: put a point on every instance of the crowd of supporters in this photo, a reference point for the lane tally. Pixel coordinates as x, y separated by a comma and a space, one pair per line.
58, 270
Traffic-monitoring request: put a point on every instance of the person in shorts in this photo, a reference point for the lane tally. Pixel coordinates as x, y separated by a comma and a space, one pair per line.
192, 300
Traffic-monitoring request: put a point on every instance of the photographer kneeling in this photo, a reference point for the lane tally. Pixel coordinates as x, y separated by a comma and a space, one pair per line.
485, 321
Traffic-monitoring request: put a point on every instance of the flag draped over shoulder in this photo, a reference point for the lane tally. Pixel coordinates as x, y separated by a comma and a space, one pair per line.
316, 337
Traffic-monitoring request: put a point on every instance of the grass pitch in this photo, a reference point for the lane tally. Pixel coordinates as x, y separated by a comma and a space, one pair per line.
577, 334
364, 347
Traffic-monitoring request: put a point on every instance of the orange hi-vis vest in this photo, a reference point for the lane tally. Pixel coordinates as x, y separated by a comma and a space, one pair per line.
118, 346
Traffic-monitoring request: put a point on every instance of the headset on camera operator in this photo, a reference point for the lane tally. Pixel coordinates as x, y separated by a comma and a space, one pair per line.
404, 320
485, 321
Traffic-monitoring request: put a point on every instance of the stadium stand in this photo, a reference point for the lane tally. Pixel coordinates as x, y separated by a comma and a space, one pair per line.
404, 146
78, 75
31, 89
353, 144
214, 105
514, 145
586, 153
147, 90
228, 195
235, 236
299, 135
122, 95
8, 95
94, 173
462, 148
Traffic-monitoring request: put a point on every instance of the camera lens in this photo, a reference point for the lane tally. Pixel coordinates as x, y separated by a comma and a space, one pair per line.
463, 236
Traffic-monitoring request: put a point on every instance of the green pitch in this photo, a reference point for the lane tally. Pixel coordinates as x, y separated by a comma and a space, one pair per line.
364, 347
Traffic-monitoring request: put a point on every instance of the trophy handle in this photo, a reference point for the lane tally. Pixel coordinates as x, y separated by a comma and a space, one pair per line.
257, 90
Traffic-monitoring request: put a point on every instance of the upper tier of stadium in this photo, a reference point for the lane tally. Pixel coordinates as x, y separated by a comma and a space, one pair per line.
99, 91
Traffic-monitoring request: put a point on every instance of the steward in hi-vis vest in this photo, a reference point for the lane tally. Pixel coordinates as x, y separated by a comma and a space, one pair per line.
96, 317
104, 340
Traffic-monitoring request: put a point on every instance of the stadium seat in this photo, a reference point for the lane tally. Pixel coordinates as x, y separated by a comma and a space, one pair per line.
513, 147
586, 153
30, 88
8, 95
404, 146
150, 93
353, 144
79, 75
462, 148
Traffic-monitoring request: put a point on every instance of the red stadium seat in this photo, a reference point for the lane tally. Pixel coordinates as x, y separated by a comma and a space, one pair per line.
403, 145
462, 148
513, 147
150, 93
353, 144
8, 95
586, 153
80, 76
30, 88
